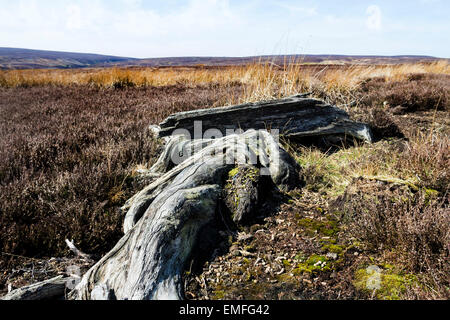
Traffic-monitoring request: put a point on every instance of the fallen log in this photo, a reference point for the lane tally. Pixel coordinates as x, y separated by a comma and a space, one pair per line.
46, 290
294, 117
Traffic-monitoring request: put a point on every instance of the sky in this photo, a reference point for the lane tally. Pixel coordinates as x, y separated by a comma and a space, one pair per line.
169, 28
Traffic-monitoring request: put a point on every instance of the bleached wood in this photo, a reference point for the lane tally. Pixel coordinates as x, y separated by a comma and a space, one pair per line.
46, 290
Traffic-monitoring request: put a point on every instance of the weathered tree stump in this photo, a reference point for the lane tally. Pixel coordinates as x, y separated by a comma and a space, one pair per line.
163, 219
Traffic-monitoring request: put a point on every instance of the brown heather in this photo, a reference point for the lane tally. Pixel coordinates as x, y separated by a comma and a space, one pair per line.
67, 154
410, 230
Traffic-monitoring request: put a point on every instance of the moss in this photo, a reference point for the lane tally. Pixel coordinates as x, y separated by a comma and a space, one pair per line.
384, 283
430, 194
286, 263
233, 172
300, 257
333, 248
328, 227
236, 177
315, 263
249, 248
285, 277
218, 295
328, 240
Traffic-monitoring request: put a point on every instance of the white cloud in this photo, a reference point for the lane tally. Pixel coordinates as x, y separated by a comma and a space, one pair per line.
308, 11
74, 17
374, 19
148, 28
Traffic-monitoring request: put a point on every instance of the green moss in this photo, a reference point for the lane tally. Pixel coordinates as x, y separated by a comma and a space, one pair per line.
249, 248
233, 172
328, 240
313, 226
430, 194
315, 263
300, 257
286, 263
333, 248
384, 284
218, 295
244, 175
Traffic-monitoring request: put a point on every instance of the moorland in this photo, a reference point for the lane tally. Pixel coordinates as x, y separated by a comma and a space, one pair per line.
73, 142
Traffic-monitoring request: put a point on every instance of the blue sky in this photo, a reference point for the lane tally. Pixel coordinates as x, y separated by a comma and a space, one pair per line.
157, 28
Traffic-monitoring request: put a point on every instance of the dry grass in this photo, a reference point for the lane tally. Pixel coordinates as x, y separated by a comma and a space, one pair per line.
261, 81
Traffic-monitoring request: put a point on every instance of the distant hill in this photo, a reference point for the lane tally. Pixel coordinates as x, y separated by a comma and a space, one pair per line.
13, 58
276, 59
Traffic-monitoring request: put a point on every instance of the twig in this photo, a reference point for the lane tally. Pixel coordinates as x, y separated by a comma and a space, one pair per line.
76, 251
19, 256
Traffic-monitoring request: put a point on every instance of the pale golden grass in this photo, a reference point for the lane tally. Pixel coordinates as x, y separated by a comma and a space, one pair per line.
261, 81
422, 162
